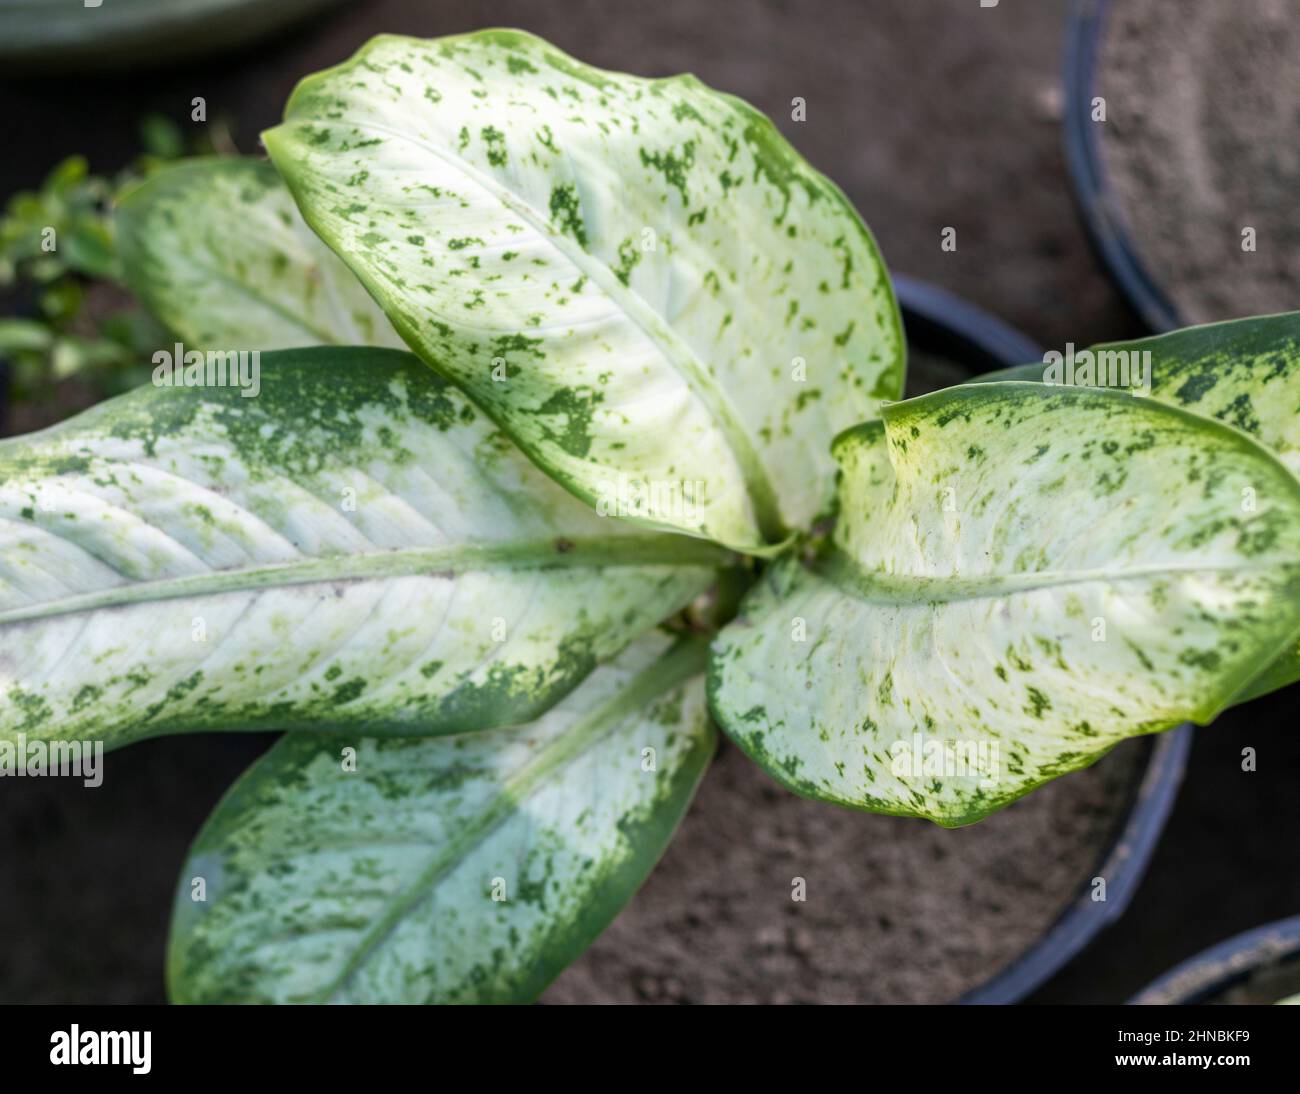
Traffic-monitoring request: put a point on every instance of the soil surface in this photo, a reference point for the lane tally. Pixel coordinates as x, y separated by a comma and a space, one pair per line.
897, 910
1201, 143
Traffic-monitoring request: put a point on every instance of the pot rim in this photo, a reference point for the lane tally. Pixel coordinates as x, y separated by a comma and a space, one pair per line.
943, 322
946, 323
1213, 970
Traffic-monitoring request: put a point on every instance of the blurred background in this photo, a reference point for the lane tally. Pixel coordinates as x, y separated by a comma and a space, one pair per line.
929, 114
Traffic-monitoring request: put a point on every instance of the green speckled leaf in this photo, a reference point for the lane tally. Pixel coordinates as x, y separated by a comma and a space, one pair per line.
219, 253
1245, 372
640, 280
460, 869
356, 547
1021, 577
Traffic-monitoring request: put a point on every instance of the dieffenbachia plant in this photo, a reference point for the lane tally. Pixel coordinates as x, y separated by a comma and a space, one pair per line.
490, 585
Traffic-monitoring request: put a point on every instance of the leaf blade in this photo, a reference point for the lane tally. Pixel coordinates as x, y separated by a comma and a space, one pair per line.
399, 858
356, 548
1243, 372
933, 633
607, 346
231, 223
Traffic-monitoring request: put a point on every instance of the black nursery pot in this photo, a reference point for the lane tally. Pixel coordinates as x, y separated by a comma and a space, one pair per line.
64, 39
941, 325
1099, 203
1259, 966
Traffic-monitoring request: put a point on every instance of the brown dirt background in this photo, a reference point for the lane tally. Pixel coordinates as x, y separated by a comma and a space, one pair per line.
1200, 142
929, 114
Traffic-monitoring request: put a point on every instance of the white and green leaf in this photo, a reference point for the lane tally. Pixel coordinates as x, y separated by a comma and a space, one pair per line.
639, 280
464, 869
355, 547
1022, 576
217, 250
1245, 372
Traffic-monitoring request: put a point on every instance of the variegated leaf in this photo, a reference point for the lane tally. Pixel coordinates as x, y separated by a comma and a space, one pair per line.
219, 253
1022, 576
355, 547
1245, 372
640, 280
460, 869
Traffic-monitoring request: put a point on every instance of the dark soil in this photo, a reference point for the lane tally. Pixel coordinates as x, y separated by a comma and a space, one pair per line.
897, 910
1202, 140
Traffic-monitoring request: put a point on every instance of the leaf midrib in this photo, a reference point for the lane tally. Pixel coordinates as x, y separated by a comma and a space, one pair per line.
653, 326
556, 552
673, 668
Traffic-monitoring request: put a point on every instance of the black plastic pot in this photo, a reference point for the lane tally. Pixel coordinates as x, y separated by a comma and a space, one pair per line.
1097, 200
81, 36
944, 324
1209, 975
938, 322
